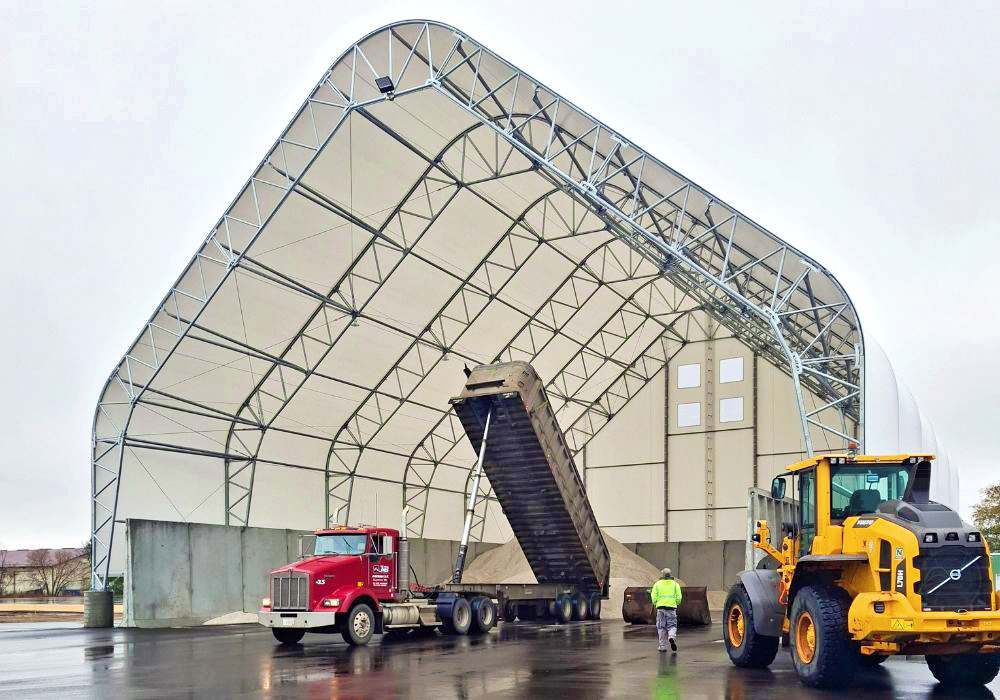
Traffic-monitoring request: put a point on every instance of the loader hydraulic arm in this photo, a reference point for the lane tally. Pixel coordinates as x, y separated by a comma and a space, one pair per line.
786, 556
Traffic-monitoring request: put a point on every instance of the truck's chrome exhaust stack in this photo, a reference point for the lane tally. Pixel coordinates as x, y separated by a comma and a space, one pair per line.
403, 561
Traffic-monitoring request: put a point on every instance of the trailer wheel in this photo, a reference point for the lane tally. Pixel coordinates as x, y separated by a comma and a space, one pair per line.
580, 607
594, 605
484, 614
359, 625
459, 618
958, 670
746, 648
288, 637
509, 611
563, 608
822, 652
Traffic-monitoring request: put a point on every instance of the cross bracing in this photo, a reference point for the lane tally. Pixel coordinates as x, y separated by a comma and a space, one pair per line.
471, 214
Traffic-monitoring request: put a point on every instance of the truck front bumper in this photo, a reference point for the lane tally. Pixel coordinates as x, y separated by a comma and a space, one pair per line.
300, 620
901, 622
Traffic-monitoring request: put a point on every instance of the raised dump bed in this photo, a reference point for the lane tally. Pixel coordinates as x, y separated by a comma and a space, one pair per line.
533, 475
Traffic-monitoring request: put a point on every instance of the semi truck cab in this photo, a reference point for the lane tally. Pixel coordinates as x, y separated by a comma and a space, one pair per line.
347, 565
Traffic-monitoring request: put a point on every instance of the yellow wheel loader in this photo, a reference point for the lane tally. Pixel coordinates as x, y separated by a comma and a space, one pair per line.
871, 567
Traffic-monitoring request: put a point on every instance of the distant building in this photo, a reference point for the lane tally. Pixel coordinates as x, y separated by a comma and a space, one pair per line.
44, 571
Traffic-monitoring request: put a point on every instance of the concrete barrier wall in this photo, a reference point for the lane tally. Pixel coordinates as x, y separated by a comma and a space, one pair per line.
712, 564
179, 574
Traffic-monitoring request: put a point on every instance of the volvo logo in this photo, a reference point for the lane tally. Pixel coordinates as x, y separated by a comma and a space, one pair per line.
955, 574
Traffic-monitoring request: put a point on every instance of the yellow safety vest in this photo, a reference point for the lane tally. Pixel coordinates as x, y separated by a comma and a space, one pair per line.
666, 593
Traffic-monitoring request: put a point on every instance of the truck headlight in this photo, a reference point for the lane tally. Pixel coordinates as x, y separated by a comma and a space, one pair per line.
331, 602
265, 603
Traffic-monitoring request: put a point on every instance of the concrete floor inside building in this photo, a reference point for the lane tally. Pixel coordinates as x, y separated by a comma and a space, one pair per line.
607, 659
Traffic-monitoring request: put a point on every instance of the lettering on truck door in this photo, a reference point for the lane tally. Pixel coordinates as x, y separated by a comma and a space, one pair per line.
381, 568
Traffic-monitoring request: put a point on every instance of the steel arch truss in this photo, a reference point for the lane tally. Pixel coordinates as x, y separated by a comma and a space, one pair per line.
431, 201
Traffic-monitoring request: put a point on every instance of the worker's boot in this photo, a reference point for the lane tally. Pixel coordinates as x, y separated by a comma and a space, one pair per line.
673, 645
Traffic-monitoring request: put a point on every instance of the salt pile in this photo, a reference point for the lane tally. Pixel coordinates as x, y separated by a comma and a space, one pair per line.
507, 564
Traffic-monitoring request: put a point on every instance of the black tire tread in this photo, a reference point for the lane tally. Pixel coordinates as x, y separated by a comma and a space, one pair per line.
836, 655
964, 670
757, 651
287, 637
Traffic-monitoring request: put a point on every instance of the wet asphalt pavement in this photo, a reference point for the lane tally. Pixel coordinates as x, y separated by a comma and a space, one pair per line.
580, 660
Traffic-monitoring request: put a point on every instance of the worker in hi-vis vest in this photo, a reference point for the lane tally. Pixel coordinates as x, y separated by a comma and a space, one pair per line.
666, 596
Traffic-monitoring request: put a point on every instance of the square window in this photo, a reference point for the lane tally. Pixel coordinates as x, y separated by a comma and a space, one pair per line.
688, 415
688, 376
731, 410
731, 370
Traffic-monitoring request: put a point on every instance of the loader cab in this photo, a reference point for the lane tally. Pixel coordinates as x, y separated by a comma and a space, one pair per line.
832, 488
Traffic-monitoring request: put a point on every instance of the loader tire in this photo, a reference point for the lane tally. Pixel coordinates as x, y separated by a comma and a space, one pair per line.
822, 652
964, 670
746, 648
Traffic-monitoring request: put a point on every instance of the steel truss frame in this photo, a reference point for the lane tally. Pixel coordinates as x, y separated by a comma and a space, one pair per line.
775, 299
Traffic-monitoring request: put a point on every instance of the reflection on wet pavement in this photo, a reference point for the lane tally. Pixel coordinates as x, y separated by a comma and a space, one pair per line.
581, 660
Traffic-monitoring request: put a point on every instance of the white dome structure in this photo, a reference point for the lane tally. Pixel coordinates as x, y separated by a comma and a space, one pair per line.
894, 423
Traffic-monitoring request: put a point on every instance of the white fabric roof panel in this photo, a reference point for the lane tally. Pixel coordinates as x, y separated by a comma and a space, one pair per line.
470, 215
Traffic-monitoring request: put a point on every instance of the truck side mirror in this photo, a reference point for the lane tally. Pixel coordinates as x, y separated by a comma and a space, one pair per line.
301, 553
778, 489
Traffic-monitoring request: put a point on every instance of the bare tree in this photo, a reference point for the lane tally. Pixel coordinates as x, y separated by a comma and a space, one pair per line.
6, 573
52, 571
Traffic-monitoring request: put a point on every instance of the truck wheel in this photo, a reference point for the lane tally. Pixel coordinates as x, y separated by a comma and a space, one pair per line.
594, 605
484, 614
459, 619
822, 652
509, 611
580, 607
359, 625
957, 670
746, 648
563, 608
288, 637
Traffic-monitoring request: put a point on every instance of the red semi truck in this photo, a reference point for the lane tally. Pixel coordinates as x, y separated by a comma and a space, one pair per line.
356, 581
353, 584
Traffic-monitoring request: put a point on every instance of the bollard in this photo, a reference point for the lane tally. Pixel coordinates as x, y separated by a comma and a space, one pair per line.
98, 609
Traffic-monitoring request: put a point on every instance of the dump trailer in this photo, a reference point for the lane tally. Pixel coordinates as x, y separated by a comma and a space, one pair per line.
355, 581
867, 567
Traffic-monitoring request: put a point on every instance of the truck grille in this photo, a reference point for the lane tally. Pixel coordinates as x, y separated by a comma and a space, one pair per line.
290, 591
948, 581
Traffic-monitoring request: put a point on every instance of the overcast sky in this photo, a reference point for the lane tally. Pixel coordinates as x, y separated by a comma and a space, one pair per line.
866, 137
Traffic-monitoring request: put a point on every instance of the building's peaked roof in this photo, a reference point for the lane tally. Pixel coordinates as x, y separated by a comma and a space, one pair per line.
431, 201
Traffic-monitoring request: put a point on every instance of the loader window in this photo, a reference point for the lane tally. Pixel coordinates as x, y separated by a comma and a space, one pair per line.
858, 489
807, 510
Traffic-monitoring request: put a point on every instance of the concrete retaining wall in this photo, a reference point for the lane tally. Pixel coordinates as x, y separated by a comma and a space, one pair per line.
711, 564
179, 574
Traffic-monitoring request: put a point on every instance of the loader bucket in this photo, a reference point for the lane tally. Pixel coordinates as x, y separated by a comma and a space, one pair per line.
637, 608
693, 609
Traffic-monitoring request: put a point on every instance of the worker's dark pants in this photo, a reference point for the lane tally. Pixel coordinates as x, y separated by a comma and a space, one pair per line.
666, 625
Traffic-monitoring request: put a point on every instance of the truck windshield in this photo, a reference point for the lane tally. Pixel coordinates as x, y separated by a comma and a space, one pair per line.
340, 544
857, 489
